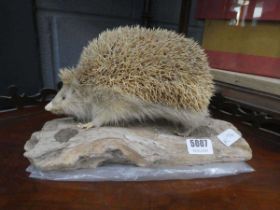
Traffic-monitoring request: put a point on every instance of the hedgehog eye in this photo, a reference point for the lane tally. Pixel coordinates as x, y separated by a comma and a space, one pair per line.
63, 97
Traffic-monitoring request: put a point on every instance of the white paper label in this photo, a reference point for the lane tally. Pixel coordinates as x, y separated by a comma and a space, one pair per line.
199, 146
228, 137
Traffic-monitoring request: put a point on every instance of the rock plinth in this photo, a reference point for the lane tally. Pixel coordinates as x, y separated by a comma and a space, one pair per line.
61, 145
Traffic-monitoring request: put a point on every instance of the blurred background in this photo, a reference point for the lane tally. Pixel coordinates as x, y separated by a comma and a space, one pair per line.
39, 37
241, 38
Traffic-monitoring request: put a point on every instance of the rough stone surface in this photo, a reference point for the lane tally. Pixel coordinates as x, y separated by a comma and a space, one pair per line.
61, 145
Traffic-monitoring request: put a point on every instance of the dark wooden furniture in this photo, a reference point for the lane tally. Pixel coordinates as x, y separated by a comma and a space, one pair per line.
258, 190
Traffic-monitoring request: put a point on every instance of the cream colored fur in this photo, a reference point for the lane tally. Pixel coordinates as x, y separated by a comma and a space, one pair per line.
104, 106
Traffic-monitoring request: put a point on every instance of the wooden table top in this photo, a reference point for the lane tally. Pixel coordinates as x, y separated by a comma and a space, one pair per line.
258, 190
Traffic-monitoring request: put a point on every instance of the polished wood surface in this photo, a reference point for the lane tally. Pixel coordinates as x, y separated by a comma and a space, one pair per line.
258, 190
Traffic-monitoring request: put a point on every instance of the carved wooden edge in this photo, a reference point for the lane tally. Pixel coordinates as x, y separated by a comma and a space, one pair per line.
249, 115
257, 118
14, 100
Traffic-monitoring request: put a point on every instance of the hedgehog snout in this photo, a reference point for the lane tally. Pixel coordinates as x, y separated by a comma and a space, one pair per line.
54, 108
49, 107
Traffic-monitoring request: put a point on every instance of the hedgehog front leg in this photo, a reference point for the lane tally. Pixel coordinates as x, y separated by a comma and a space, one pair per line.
92, 124
86, 125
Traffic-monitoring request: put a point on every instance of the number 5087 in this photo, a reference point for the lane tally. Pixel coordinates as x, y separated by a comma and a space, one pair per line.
198, 143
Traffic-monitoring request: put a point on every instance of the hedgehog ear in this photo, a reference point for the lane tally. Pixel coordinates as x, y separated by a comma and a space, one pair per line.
67, 76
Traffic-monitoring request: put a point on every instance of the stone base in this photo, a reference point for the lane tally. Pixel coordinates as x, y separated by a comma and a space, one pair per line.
61, 145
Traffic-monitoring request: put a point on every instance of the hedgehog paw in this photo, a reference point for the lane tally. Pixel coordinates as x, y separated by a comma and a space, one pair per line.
185, 133
86, 125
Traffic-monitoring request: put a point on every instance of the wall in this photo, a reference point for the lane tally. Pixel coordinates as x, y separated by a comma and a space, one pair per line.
19, 56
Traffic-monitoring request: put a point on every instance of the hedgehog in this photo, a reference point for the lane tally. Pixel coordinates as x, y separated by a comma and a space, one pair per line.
133, 73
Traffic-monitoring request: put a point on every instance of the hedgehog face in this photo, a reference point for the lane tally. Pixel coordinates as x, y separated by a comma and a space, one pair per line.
67, 101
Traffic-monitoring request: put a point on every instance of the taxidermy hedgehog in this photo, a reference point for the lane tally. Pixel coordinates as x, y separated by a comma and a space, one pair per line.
134, 73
